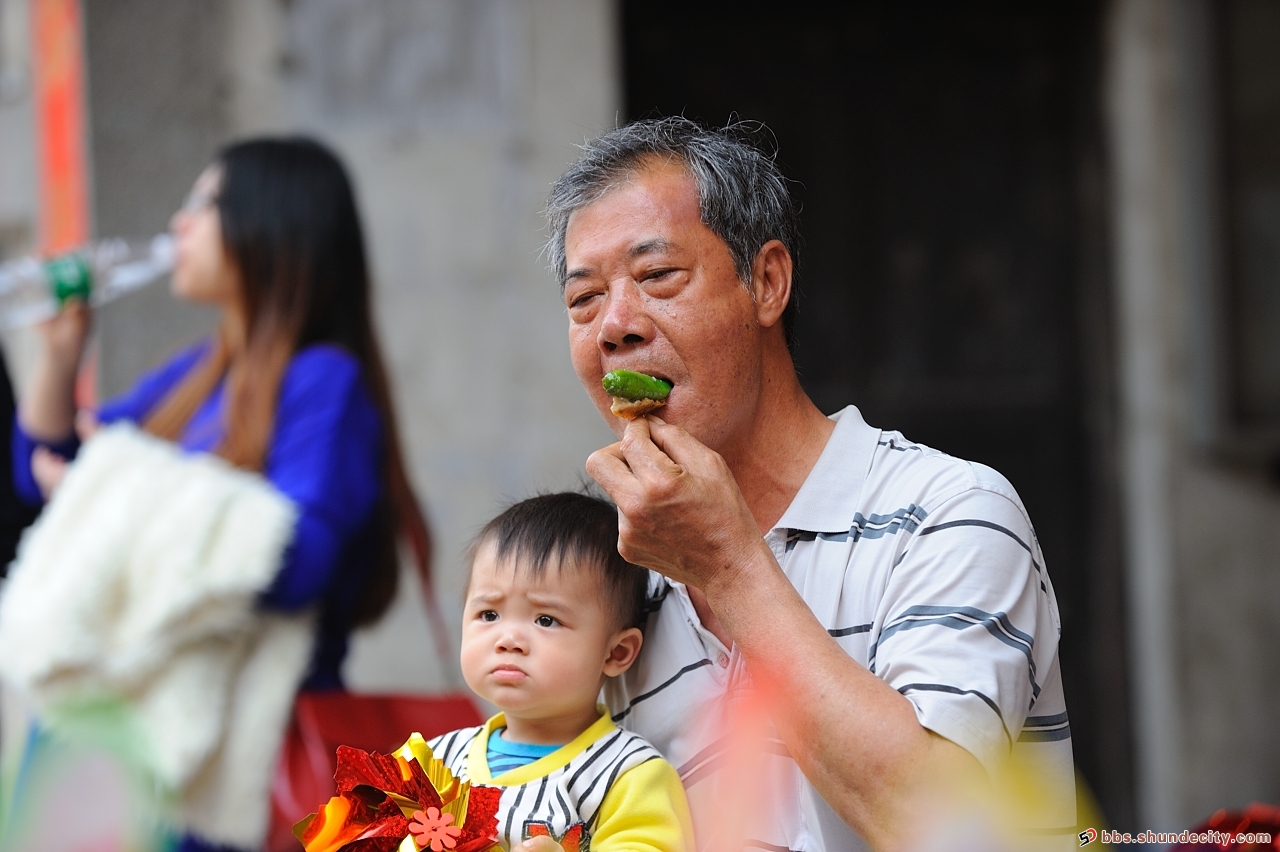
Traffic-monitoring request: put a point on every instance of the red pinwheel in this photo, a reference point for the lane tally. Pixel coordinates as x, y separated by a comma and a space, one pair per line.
384, 799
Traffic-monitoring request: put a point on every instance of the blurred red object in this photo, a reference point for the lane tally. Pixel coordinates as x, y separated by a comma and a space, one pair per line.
322, 721
1255, 819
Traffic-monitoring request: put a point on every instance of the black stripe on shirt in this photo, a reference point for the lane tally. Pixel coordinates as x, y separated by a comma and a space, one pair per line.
592, 759
1045, 729
713, 757
706, 768
654, 603
959, 618
975, 522
849, 631
872, 526
619, 761
675, 677
446, 749
705, 754
515, 806
564, 806
613, 776
541, 792
942, 687
1051, 735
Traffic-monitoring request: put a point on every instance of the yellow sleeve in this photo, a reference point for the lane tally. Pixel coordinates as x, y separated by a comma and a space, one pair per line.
645, 811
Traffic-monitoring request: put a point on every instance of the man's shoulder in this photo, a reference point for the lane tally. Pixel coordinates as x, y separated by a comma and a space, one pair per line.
868, 477
929, 477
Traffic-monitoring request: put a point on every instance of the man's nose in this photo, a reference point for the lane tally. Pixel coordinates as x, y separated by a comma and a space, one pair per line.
625, 321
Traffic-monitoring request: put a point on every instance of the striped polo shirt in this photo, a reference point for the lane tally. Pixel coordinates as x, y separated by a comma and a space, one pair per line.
925, 569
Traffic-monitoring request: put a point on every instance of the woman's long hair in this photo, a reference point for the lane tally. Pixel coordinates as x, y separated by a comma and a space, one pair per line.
291, 230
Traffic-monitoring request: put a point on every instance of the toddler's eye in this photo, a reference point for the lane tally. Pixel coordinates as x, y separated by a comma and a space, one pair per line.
545, 621
488, 615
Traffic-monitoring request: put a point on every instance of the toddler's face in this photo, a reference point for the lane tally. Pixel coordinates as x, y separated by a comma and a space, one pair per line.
535, 647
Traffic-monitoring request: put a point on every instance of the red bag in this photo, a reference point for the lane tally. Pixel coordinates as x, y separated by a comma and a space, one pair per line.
322, 721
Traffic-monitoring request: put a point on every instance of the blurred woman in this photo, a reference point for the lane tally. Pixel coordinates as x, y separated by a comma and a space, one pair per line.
292, 384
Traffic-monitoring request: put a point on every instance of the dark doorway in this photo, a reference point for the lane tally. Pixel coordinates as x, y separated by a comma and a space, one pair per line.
952, 278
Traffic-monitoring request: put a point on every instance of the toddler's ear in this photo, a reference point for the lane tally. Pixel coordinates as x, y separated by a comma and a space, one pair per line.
624, 647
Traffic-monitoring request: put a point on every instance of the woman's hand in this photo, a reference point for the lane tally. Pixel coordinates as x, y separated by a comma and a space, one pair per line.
48, 469
47, 408
65, 337
86, 424
541, 843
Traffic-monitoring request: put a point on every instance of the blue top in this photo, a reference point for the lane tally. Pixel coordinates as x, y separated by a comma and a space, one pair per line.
325, 455
504, 755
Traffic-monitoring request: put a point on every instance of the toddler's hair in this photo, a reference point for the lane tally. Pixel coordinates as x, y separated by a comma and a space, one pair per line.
570, 528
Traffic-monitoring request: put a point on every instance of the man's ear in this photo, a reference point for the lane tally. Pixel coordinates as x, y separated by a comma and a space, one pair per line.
771, 282
624, 647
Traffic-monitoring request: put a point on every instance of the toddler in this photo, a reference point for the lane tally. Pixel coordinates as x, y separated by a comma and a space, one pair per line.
551, 611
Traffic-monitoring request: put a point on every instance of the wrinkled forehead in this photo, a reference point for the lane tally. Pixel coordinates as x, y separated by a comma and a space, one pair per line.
658, 204
647, 171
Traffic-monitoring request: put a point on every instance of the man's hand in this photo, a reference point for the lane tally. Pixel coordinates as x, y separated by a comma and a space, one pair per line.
681, 512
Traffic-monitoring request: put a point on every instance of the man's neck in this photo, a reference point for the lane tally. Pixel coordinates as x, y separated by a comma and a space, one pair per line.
774, 459
771, 463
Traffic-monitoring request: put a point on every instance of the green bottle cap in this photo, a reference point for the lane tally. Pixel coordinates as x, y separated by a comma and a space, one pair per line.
70, 277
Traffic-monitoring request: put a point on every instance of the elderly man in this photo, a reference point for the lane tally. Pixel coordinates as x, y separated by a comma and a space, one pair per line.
886, 602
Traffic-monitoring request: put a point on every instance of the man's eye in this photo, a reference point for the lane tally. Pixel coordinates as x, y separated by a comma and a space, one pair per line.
545, 621
581, 299
488, 615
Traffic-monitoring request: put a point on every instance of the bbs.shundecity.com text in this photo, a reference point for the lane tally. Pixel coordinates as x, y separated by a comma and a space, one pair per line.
1219, 838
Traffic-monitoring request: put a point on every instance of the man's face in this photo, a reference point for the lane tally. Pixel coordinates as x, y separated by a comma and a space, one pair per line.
650, 288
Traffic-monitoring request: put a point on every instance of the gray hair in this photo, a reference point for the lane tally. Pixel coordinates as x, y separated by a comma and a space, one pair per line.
742, 195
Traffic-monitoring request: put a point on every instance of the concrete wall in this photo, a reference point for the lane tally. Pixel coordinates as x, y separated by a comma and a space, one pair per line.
17, 155
454, 116
17, 176
1203, 547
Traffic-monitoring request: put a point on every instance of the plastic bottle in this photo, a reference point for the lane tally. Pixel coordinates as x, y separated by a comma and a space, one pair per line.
32, 290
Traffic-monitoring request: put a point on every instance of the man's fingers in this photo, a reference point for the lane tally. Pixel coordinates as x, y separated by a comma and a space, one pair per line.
608, 467
642, 454
678, 445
